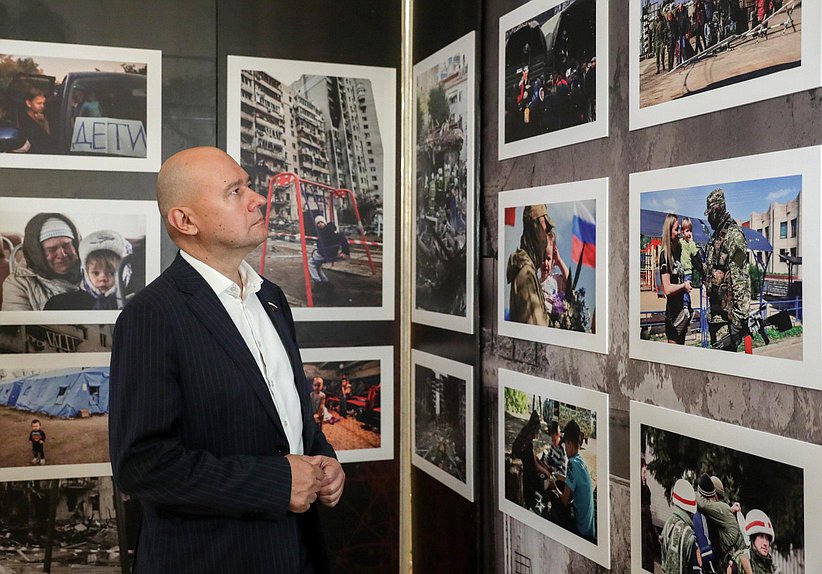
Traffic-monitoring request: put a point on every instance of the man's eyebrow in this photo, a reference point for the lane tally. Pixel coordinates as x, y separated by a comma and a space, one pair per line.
235, 183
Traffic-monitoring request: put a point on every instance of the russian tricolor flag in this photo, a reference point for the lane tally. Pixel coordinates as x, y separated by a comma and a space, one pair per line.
584, 237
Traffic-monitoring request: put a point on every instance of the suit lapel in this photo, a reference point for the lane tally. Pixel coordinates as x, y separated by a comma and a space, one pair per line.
207, 307
272, 305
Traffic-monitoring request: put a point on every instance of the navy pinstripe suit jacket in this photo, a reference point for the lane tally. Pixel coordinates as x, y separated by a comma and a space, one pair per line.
195, 436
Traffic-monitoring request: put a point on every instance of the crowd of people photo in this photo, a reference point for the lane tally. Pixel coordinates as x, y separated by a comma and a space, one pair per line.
679, 31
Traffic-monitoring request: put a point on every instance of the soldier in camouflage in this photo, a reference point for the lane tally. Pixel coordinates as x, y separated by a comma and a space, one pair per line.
526, 302
680, 553
726, 277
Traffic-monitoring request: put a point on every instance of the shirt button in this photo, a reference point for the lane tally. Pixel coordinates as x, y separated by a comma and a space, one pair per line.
285, 423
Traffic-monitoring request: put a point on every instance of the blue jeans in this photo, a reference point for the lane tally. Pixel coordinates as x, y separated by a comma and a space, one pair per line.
686, 298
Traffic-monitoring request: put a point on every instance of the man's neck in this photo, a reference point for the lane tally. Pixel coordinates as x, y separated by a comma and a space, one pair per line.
227, 263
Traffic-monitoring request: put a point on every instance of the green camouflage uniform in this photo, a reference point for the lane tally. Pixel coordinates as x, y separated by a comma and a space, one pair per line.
726, 279
730, 539
759, 564
678, 543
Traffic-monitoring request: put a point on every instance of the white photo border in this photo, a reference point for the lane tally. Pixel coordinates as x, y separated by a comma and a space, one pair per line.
55, 471
34, 205
154, 86
596, 189
804, 77
385, 355
806, 162
463, 372
789, 451
587, 399
467, 46
383, 84
567, 136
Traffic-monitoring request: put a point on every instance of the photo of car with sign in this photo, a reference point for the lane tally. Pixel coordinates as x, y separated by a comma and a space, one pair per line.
81, 109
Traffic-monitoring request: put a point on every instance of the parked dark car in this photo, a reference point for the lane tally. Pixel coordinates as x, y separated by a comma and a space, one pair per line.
117, 96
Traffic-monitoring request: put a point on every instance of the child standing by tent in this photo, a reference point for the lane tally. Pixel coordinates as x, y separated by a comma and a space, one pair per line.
37, 437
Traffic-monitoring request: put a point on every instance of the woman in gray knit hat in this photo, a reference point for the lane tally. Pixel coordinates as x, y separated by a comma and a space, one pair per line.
52, 264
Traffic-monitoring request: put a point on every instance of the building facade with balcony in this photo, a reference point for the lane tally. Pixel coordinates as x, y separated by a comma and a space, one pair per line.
780, 225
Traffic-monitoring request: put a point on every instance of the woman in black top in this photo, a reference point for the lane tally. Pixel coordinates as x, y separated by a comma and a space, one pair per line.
673, 284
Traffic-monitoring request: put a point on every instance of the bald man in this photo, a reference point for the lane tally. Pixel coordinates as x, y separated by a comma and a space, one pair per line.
210, 424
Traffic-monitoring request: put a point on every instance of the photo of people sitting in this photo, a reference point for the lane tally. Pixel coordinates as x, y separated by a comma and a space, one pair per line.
50, 265
345, 402
550, 461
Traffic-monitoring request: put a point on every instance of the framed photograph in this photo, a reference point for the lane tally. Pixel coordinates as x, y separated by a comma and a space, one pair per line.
553, 75
738, 482
69, 106
54, 416
553, 461
85, 533
319, 141
743, 235
689, 59
45, 339
443, 420
348, 399
74, 261
444, 201
552, 270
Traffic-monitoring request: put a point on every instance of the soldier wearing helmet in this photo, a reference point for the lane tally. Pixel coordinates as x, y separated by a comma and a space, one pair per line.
759, 530
726, 276
526, 302
680, 554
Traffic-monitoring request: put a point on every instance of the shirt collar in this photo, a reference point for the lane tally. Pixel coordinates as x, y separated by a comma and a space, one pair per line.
220, 284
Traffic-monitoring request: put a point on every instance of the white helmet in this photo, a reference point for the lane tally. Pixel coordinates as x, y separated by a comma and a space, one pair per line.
757, 522
683, 495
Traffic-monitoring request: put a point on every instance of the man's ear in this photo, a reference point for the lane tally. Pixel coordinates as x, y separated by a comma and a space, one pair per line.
179, 219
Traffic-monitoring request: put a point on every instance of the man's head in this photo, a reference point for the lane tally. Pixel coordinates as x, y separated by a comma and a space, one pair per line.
706, 488
207, 205
720, 488
50, 246
320, 222
571, 436
715, 207
759, 529
683, 496
536, 224
35, 424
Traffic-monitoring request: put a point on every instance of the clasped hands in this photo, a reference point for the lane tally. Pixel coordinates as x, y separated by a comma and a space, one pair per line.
314, 478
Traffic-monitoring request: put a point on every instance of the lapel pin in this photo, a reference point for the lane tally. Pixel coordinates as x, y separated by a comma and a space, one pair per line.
273, 306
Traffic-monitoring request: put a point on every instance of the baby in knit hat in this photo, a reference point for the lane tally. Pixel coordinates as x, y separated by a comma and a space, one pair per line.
100, 255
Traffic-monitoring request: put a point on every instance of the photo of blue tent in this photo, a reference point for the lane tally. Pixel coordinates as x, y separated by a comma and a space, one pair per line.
59, 393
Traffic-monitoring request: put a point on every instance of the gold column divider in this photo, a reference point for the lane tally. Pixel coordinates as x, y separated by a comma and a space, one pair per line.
406, 284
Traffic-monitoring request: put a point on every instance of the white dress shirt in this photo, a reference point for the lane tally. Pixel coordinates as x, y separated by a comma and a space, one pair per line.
262, 339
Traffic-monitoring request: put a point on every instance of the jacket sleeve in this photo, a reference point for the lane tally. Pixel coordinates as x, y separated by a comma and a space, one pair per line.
15, 297
148, 457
